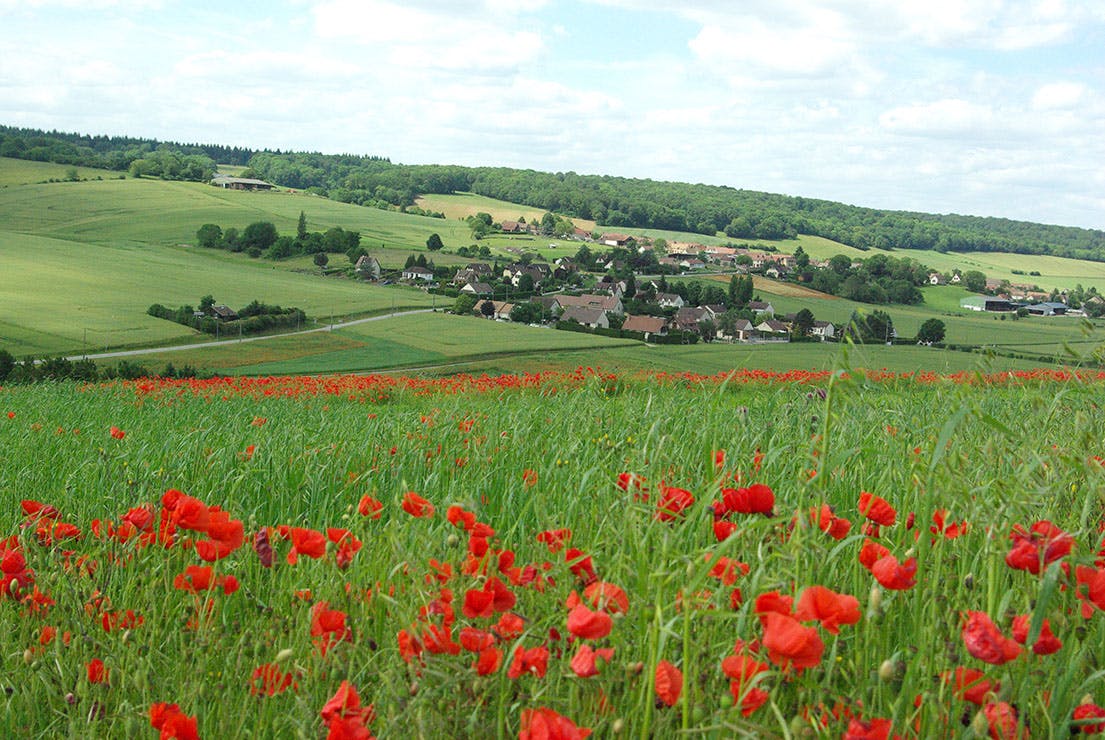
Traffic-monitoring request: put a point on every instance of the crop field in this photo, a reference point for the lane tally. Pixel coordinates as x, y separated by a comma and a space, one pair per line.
27, 172
748, 554
102, 291
462, 205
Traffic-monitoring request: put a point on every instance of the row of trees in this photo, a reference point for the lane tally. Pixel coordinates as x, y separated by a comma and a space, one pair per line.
141, 157
612, 201
53, 369
705, 209
261, 239
255, 318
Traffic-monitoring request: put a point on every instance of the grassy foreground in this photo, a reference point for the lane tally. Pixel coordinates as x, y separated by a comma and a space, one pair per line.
593, 513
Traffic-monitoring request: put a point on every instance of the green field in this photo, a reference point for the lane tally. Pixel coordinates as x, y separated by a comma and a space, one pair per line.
101, 291
27, 172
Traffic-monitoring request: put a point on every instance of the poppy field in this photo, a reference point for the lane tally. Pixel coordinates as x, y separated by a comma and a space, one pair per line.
829, 554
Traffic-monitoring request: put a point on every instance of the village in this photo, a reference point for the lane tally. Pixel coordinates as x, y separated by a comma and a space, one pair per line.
617, 284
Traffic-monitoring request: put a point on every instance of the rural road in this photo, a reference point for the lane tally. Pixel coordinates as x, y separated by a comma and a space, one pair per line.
224, 342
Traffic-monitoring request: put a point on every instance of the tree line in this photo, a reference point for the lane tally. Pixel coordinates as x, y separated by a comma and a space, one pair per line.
611, 201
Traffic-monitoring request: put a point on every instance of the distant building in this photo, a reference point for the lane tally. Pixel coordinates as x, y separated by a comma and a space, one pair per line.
240, 183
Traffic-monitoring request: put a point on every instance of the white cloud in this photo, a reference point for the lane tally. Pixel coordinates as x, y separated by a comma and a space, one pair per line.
1058, 95
949, 117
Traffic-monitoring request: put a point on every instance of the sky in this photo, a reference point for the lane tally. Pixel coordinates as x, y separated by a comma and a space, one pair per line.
982, 107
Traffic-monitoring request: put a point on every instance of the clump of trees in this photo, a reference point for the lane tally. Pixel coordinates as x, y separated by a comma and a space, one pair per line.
261, 239
255, 318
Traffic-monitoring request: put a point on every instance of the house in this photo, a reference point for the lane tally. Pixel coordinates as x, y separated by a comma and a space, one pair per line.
771, 326
548, 303
647, 325
670, 300
743, 331
615, 240
240, 183
367, 267
592, 317
993, 284
476, 289
689, 317
224, 313
956, 278
513, 227
823, 330
501, 312
761, 307
418, 273
776, 272
609, 303
692, 263
936, 278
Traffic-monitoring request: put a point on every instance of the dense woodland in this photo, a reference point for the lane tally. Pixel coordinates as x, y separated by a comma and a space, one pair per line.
611, 201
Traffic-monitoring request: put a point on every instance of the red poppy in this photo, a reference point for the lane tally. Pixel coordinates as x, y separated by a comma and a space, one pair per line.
668, 683
529, 661
589, 625
488, 661
727, 569
673, 502
894, 575
97, 672
529, 477
475, 640
196, 578
724, 529
509, 626
555, 539
608, 597
869, 729
270, 680
871, 553
1090, 588
828, 607
835, 526
949, 531
756, 499
328, 627
1046, 644
629, 480
1085, 712
1003, 721
985, 642
225, 535
545, 724
173, 723
344, 715
370, 507
116, 433
583, 663
1037, 548
263, 547
773, 601
971, 685
877, 509
417, 506
581, 565
309, 542
788, 643
742, 670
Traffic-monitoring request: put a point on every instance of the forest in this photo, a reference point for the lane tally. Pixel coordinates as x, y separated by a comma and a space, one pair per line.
610, 201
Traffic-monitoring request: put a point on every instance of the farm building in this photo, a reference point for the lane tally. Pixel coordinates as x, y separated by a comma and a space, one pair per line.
987, 303
241, 183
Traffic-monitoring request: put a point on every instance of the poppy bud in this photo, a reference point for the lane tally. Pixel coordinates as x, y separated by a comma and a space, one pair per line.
618, 726
980, 726
1087, 699
451, 540
874, 602
126, 636
969, 581
413, 690
891, 670
70, 698
635, 668
28, 656
284, 655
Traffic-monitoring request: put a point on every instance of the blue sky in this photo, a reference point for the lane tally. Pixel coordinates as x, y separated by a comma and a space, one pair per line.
987, 107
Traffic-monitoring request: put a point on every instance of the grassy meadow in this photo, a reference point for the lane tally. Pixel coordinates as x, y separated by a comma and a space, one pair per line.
595, 515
